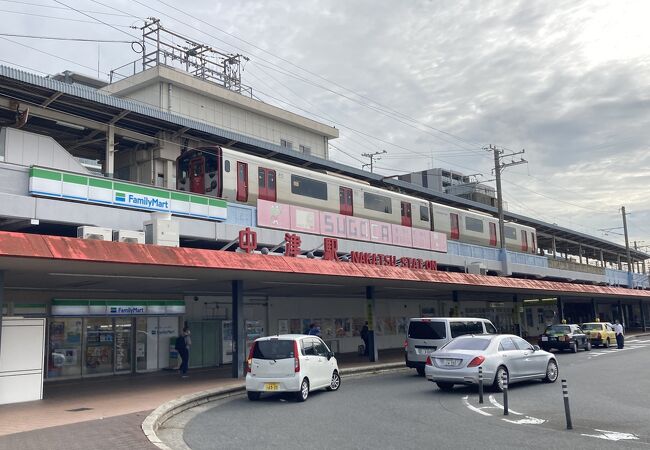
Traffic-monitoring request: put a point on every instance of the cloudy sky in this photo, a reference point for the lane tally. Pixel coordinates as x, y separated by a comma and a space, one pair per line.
430, 82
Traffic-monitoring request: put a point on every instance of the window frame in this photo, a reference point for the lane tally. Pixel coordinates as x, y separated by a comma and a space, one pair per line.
387, 207
315, 189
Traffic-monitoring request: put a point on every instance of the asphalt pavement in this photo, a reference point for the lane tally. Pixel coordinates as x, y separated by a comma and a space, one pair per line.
609, 392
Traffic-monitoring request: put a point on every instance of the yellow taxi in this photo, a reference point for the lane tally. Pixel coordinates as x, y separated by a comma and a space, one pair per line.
600, 333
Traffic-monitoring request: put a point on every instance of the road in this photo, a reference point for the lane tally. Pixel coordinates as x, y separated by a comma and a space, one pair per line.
609, 396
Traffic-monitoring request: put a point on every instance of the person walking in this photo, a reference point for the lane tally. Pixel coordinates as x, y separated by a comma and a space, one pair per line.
620, 337
183, 350
365, 332
314, 330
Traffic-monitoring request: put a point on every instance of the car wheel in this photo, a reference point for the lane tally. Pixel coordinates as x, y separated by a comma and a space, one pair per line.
303, 393
445, 386
253, 396
588, 346
552, 371
420, 371
606, 344
574, 347
498, 378
335, 383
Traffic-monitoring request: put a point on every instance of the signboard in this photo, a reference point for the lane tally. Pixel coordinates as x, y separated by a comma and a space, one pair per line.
306, 220
83, 307
90, 189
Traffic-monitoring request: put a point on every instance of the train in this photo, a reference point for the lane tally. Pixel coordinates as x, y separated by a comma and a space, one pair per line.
242, 178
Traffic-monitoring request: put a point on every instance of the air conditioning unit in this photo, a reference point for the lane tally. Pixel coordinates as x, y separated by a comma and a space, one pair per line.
162, 230
132, 237
96, 233
477, 268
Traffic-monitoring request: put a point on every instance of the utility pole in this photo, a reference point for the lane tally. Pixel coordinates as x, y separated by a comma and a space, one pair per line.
499, 166
373, 157
627, 242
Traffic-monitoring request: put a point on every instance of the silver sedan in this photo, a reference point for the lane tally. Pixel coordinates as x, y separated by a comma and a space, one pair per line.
459, 360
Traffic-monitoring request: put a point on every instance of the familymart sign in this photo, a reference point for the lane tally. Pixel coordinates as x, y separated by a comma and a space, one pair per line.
89, 189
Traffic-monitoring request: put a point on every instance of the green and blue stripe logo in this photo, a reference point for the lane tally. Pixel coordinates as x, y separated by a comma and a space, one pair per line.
120, 197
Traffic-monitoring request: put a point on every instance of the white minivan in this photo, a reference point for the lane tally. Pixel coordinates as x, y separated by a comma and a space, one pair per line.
291, 363
426, 334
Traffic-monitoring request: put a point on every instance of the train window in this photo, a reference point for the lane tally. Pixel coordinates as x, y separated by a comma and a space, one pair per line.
473, 224
424, 213
226, 165
210, 164
261, 178
377, 203
308, 187
510, 232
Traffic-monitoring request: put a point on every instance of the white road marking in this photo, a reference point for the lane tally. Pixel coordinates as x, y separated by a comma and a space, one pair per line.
474, 408
613, 435
526, 421
500, 406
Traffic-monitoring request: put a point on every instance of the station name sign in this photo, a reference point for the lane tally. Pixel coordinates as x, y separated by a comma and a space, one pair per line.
378, 259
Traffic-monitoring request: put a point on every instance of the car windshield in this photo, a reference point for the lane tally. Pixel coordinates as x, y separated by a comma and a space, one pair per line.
558, 329
591, 326
273, 349
468, 344
427, 330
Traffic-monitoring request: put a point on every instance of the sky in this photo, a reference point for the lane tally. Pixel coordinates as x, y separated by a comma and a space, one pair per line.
432, 83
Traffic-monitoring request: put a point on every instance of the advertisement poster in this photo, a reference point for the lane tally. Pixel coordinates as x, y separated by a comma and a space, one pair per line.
283, 326
401, 325
357, 324
295, 326
326, 328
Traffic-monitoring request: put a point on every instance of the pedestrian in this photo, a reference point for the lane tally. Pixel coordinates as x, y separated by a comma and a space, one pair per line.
620, 337
365, 332
314, 330
183, 350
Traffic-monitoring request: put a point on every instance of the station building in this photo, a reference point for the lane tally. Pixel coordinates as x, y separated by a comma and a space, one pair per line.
103, 261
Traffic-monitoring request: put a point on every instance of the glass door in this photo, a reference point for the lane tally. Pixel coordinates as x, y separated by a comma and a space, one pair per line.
123, 344
99, 346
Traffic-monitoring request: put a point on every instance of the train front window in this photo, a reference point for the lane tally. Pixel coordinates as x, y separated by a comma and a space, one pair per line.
197, 169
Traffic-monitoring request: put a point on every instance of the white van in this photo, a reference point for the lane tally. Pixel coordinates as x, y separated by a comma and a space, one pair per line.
427, 334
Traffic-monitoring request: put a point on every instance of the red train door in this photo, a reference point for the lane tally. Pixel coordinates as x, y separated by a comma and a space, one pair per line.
197, 175
406, 214
455, 230
493, 234
524, 241
266, 184
345, 200
242, 182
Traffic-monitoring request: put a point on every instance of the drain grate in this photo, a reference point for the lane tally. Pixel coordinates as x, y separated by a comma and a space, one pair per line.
79, 409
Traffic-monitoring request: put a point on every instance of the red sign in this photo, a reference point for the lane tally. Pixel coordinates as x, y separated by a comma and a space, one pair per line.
247, 240
291, 245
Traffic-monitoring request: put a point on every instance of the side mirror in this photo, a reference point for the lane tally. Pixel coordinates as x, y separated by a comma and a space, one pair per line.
536, 347
330, 355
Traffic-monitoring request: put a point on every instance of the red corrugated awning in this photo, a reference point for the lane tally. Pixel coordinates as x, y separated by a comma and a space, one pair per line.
55, 248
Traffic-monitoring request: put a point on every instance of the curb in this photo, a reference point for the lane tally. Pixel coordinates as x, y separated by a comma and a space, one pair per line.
166, 411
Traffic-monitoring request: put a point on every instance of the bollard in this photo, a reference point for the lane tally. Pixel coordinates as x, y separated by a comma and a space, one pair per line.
480, 385
505, 394
567, 410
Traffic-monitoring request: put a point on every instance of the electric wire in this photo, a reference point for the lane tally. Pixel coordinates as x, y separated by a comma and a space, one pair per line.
57, 38
40, 5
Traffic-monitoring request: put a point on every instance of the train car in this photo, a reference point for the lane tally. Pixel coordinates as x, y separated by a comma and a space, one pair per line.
242, 178
481, 229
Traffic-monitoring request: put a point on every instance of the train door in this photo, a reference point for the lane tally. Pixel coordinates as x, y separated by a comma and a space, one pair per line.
345, 200
197, 175
524, 241
493, 234
455, 229
407, 221
242, 182
266, 183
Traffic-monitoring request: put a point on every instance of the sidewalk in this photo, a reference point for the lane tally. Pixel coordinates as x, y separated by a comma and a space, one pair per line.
107, 412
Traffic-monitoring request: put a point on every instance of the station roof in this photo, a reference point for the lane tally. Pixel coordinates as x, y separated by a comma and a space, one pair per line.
36, 261
140, 119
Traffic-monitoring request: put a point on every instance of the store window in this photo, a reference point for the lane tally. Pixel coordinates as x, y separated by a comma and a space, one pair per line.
64, 354
99, 338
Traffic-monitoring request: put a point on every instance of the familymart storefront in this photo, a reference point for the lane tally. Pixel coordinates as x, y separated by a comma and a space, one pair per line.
102, 337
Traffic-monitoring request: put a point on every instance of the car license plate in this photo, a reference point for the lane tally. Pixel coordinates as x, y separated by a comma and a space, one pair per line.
544, 338
450, 362
424, 350
271, 386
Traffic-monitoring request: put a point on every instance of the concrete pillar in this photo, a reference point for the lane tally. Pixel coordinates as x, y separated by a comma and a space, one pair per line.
580, 253
553, 245
373, 349
642, 315
238, 330
620, 266
560, 308
517, 315
109, 165
621, 313
594, 309
602, 259
643, 266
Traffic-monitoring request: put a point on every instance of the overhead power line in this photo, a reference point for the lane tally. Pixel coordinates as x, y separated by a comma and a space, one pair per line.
57, 38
